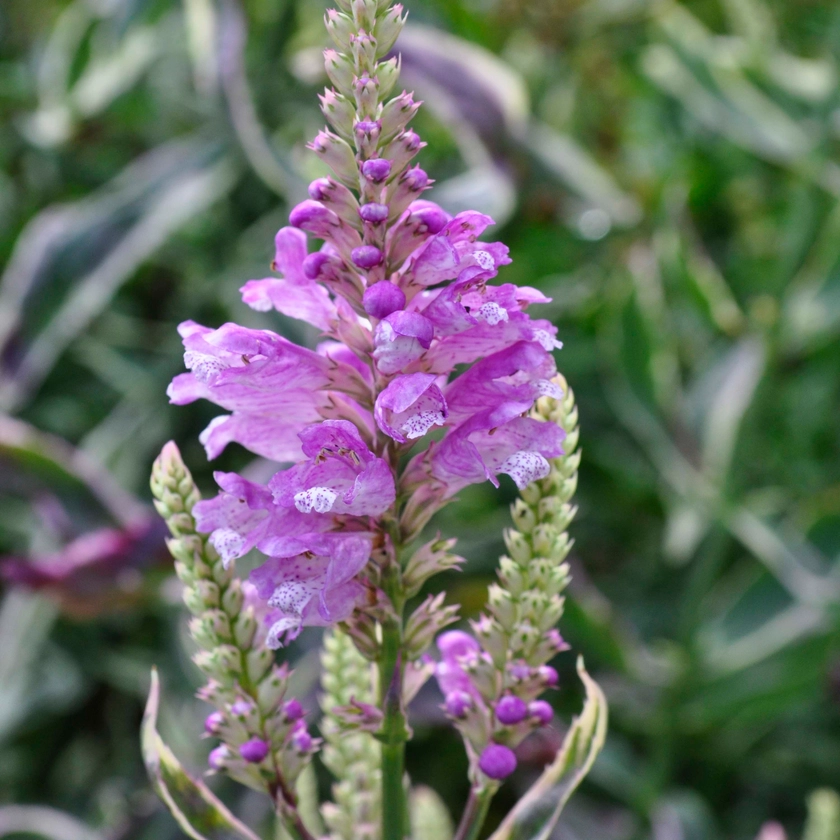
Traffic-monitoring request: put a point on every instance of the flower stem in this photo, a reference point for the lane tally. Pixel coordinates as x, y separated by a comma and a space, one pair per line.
393, 733
475, 813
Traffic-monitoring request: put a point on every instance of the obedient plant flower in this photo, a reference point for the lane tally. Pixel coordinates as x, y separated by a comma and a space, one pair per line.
428, 377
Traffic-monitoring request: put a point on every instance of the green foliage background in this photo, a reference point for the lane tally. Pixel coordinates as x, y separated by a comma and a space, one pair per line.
669, 174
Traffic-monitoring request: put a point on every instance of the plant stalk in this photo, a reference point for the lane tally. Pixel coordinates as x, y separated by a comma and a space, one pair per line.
475, 813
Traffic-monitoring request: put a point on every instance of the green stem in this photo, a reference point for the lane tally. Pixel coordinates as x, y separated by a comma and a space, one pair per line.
475, 813
393, 734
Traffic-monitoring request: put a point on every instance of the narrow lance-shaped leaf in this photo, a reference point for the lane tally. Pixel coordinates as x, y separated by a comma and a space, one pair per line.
197, 811
536, 814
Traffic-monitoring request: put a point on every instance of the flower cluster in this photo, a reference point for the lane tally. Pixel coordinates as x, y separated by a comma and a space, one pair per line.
429, 376
401, 292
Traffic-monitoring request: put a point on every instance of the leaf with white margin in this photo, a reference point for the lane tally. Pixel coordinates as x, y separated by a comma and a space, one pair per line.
197, 811
536, 814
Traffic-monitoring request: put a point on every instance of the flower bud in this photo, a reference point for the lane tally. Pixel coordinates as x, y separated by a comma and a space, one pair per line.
457, 704
301, 739
497, 762
383, 298
339, 69
396, 114
511, 710
387, 73
518, 546
363, 48
403, 148
313, 263
548, 675
367, 256
376, 170
339, 111
292, 710
241, 708
338, 156
254, 751
374, 213
337, 198
541, 711
366, 91
406, 190
270, 691
213, 723
218, 757
388, 28
340, 27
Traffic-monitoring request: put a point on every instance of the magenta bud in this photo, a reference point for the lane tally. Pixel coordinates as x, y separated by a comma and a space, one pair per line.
241, 707
416, 179
383, 298
520, 671
301, 739
497, 762
319, 189
376, 170
254, 751
411, 140
313, 264
548, 675
293, 710
367, 126
213, 723
433, 217
374, 213
511, 710
367, 256
457, 704
541, 711
217, 757
306, 212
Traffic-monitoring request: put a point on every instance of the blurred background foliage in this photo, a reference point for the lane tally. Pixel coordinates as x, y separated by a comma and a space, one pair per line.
669, 173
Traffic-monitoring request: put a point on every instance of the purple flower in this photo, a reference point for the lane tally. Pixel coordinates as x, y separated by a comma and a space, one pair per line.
457, 704
294, 294
548, 675
301, 739
400, 339
497, 761
292, 709
341, 476
254, 751
459, 652
511, 710
218, 757
312, 588
213, 723
409, 406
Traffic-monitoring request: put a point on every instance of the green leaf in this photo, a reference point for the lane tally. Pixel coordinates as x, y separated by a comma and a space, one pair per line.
430, 819
536, 814
197, 811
